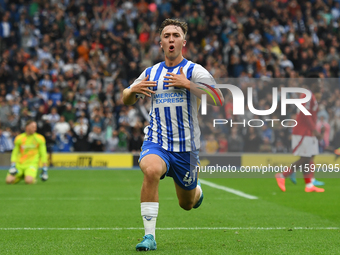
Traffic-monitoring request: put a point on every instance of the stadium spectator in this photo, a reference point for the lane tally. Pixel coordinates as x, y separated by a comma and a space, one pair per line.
267, 133
211, 145
46, 81
108, 123
279, 147
252, 140
135, 141
123, 119
80, 136
222, 143
56, 96
6, 140
61, 127
12, 123
5, 110
235, 141
44, 128
5, 29
97, 121
83, 51
24, 117
266, 146
44, 93
334, 128
97, 139
123, 139
69, 113
53, 117
112, 142
323, 127
64, 142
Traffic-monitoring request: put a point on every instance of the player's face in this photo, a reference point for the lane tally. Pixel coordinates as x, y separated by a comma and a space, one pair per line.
172, 42
31, 128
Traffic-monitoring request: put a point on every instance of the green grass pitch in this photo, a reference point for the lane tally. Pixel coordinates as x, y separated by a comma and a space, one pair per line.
91, 211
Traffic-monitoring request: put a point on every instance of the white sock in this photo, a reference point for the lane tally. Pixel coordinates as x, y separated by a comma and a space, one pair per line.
149, 212
309, 185
199, 187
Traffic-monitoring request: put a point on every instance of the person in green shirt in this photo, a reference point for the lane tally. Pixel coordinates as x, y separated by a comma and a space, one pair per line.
29, 150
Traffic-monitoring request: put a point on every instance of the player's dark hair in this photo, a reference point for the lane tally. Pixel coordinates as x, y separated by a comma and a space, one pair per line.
28, 122
175, 22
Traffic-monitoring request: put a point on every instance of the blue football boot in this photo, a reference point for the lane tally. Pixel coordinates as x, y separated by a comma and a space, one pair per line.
147, 244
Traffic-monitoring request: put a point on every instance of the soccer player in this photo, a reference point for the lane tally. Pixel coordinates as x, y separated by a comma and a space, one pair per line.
171, 141
305, 141
29, 148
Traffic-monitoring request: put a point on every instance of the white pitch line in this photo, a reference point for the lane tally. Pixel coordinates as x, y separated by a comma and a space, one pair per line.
68, 198
93, 199
182, 228
74, 199
230, 190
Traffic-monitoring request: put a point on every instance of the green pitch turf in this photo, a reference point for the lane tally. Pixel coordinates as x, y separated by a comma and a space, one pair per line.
90, 211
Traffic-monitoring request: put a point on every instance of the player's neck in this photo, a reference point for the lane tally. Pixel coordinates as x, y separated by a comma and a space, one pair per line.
174, 62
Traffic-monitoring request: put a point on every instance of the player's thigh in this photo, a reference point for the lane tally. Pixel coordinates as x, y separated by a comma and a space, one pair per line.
185, 197
184, 169
31, 173
153, 165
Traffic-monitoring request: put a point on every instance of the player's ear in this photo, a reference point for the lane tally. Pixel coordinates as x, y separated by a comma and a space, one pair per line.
160, 43
184, 43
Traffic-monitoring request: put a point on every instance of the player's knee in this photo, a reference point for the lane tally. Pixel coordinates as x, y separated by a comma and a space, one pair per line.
9, 181
151, 172
29, 180
186, 205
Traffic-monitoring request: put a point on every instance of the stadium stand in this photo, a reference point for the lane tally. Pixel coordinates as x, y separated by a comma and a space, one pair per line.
73, 58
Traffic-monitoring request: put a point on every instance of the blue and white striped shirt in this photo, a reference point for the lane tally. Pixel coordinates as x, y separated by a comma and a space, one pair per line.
173, 114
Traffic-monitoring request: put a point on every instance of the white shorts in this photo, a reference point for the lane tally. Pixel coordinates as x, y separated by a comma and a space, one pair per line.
305, 146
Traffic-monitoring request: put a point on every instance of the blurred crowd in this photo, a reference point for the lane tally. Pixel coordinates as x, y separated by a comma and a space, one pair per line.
65, 64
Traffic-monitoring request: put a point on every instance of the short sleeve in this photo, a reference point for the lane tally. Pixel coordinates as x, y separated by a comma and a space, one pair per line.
201, 76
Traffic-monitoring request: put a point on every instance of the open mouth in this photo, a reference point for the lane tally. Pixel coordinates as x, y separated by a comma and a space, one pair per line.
171, 48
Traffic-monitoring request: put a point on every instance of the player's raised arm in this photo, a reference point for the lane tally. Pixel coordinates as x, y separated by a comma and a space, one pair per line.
140, 88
